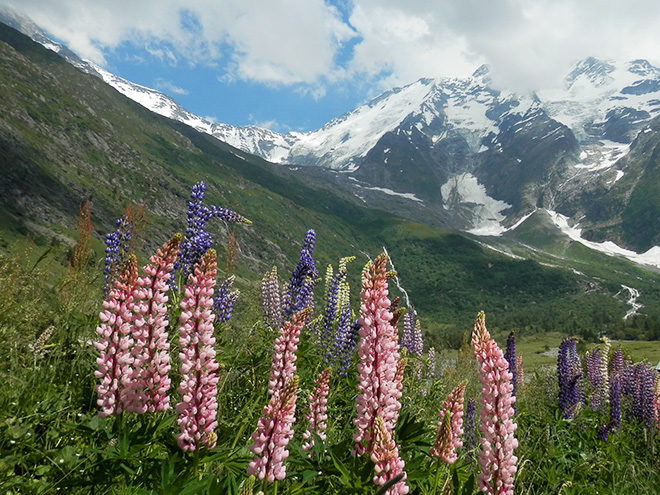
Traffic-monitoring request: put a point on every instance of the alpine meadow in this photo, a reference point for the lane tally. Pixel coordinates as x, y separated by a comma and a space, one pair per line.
180, 315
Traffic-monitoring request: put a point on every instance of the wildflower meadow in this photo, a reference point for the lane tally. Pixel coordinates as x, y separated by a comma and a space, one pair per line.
133, 376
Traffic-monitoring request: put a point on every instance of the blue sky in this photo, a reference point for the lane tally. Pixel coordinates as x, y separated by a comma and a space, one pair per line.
292, 65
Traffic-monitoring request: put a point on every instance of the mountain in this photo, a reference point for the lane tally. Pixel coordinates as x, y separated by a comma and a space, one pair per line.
463, 155
66, 137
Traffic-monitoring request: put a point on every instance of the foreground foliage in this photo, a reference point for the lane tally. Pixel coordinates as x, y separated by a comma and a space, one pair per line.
52, 437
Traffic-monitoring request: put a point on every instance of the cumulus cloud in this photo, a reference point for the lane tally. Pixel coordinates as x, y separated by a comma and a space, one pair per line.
527, 43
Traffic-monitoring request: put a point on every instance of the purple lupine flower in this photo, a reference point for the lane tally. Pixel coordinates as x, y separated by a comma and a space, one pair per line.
117, 248
198, 406
299, 293
618, 362
197, 240
271, 299
638, 385
569, 376
418, 340
146, 387
224, 299
328, 331
615, 400
115, 340
510, 356
469, 426
346, 339
596, 367
407, 337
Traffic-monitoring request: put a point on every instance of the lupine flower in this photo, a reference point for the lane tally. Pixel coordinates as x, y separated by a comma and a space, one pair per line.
274, 431
317, 415
385, 455
618, 362
510, 356
271, 299
448, 437
224, 299
299, 293
569, 375
418, 340
407, 338
199, 378
283, 366
344, 293
197, 240
496, 458
596, 366
328, 330
117, 249
346, 339
615, 400
443, 447
115, 342
378, 348
430, 358
146, 387
656, 404
638, 385
470, 437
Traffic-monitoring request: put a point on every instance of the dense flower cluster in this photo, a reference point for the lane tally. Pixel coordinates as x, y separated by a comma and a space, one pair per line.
385, 455
271, 299
638, 387
224, 299
510, 356
148, 382
378, 349
299, 292
598, 376
199, 378
197, 240
283, 365
470, 431
117, 249
115, 341
569, 376
317, 415
450, 426
498, 441
274, 431
328, 329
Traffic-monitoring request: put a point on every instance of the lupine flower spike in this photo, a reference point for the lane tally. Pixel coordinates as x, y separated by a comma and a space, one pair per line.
379, 354
283, 366
498, 464
299, 294
271, 299
146, 388
318, 408
385, 456
569, 376
274, 431
199, 378
115, 342
448, 441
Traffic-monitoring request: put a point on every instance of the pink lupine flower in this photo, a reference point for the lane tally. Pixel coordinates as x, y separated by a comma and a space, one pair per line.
283, 366
379, 388
274, 431
448, 441
199, 378
317, 415
443, 447
115, 342
146, 387
498, 464
385, 455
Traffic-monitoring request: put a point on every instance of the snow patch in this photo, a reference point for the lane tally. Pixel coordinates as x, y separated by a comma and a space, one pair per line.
464, 190
650, 257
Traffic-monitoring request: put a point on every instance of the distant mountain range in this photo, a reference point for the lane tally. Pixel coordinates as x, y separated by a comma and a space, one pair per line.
460, 154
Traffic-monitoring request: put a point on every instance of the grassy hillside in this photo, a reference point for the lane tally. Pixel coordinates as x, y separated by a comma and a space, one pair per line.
67, 138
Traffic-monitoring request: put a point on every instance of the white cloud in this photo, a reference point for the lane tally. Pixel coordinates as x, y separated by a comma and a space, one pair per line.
527, 43
168, 87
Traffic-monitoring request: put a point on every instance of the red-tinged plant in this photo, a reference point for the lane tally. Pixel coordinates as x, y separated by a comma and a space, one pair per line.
449, 433
199, 378
148, 384
115, 341
496, 459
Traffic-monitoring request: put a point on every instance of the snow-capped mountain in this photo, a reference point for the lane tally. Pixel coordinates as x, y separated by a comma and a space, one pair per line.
458, 153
